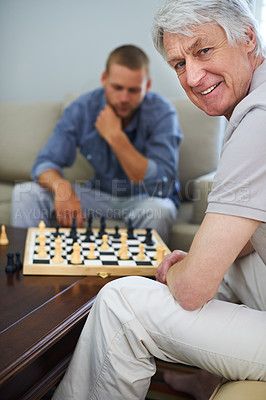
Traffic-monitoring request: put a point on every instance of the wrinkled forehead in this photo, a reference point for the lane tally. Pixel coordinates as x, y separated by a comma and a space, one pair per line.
200, 37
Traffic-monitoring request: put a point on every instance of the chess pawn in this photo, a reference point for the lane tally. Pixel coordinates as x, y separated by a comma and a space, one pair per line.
124, 253
141, 255
123, 241
158, 247
3, 237
57, 259
91, 255
104, 245
75, 256
42, 250
161, 254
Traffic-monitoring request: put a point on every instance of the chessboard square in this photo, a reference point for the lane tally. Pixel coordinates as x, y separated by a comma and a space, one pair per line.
86, 245
116, 246
41, 261
106, 253
93, 263
64, 262
133, 248
68, 257
104, 257
134, 253
150, 253
116, 241
127, 263
37, 257
133, 242
109, 262
138, 260
144, 263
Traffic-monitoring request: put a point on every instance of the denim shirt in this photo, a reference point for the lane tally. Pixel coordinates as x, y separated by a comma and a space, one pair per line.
154, 131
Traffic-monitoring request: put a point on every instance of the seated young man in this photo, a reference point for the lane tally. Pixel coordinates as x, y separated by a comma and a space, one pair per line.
129, 135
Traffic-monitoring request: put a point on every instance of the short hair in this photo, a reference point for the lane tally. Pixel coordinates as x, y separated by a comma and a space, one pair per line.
129, 56
181, 16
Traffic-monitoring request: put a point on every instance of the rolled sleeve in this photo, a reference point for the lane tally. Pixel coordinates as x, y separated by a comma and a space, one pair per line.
152, 170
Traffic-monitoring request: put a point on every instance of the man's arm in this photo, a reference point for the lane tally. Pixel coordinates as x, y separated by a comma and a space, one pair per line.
66, 202
195, 279
132, 161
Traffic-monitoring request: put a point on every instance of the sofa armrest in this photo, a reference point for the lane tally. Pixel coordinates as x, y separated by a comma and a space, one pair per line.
201, 189
240, 390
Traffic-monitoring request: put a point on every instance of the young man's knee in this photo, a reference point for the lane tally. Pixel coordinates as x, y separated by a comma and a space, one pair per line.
26, 192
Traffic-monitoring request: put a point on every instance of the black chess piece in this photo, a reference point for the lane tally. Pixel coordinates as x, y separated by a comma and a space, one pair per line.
18, 263
148, 239
130, 230
10, 267
102, 228
117, 234
57, 233
73, 232
89, 231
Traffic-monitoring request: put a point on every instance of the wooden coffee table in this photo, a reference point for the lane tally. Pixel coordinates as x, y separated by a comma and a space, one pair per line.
41, 320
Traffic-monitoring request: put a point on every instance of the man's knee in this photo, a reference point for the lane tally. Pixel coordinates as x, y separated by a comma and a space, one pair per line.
23, 192
113, 289
161, 209
30, 204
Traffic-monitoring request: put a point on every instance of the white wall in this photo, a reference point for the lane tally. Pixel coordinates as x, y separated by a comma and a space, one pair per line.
51, 47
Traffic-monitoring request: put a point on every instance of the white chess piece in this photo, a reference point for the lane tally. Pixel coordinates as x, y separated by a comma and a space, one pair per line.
91, 255
75, 256
3, 237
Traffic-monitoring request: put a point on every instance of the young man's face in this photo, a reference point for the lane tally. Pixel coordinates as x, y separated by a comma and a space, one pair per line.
215, 75
125, 88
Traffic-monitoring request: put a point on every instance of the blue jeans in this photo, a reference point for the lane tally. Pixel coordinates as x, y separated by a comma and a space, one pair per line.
31, 203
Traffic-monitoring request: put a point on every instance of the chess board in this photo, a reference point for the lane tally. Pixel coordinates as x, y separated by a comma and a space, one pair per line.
106, 263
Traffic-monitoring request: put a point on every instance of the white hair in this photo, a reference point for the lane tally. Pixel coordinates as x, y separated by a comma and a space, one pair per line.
181, 16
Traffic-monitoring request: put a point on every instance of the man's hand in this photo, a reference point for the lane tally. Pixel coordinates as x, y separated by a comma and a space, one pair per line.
167, 263
67, 204
109, 125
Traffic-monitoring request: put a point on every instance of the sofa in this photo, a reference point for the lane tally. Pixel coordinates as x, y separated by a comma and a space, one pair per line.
25, 128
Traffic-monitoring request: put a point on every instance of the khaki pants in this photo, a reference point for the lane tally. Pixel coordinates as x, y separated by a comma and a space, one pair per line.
135, 319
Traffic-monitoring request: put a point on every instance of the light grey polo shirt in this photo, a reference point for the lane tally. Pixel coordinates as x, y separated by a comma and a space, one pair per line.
239, 186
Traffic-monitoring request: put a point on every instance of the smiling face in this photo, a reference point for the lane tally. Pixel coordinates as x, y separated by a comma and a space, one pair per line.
215, 74
125, 89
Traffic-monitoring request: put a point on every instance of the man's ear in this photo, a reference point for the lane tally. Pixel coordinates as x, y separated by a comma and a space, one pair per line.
103, 78
148, 85
251, 40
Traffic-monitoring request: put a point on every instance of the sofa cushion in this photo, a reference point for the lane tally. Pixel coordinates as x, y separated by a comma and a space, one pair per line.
5, 203
201, 189
24, 130
201, 145
240, 390
5, 192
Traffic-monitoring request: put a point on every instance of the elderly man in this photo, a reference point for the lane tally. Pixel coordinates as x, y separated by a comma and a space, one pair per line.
207, 307
129, 134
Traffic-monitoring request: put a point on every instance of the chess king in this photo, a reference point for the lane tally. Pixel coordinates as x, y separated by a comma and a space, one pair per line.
119, 129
